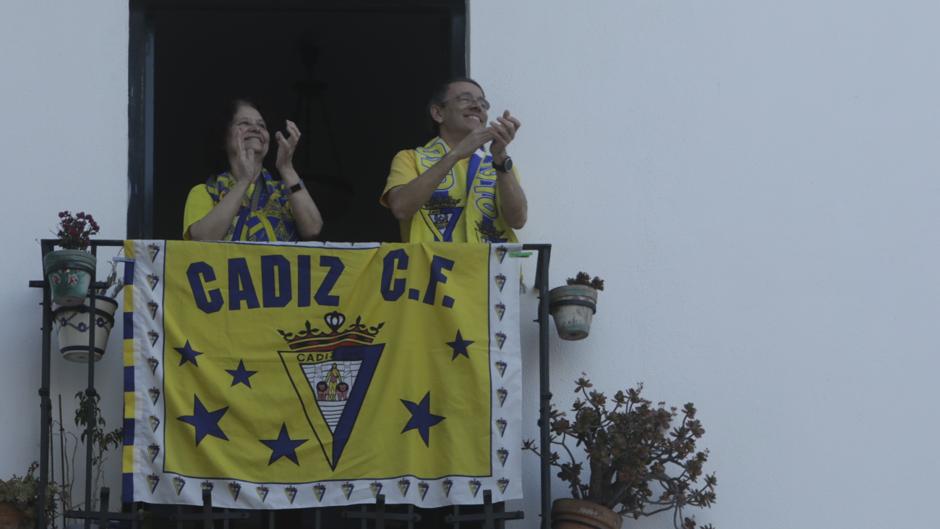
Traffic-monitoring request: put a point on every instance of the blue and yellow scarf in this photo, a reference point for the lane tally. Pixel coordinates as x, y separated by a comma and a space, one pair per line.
462, 201
269, 220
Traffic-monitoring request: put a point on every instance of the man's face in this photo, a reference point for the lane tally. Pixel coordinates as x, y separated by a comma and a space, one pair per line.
464, 109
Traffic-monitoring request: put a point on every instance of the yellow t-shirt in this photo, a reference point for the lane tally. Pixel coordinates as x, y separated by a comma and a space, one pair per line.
405, 169
198, 205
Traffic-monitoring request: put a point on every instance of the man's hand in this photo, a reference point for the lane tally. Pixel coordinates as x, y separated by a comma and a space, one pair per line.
472, 142
286, 145
504, 131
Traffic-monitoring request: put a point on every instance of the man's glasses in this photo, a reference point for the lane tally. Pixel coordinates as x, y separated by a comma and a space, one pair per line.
466, 100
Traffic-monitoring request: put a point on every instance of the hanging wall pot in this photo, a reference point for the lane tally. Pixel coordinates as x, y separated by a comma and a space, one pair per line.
72, 325
69, 275
573, 307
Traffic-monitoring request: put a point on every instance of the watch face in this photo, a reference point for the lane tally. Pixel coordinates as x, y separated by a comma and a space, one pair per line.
506, 166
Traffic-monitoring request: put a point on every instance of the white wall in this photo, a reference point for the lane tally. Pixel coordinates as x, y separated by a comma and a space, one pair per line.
757, 181
760, 173
63, 142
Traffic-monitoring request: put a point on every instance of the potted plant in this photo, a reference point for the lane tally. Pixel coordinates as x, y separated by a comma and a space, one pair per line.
69, 270
18, 497
631, 447
71, 322
573, 305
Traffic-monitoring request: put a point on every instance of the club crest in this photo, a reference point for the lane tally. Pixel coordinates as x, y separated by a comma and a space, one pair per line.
502, 454
291, 493
234, 489
447, 484
207, 485
501, 426
330, 371
154, 422
153, 450
153, 480
153, 363
152, 280
152, 307
153, 250
347, 489
403, 486
154, 393
153, 336
501, 253
262, 492
500, 310
501, 367
502, 483
178, 484
500, 340
423, 489
318, 491
501, 394
375, 488
474, 487
500, 281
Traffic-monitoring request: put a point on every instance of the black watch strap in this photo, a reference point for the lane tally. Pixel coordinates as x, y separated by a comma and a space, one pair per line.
504, 167
296, 187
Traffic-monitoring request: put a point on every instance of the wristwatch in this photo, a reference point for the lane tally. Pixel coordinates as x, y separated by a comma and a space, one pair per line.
504, 167
296, 187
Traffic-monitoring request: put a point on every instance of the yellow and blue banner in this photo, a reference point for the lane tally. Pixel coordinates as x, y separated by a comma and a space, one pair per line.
305, 375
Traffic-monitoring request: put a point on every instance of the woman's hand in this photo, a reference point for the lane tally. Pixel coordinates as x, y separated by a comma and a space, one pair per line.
245, 167
286, 145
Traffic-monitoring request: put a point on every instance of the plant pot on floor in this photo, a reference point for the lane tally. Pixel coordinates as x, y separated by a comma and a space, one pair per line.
72, 325
573, 307
569, 513
11, 517
69, 275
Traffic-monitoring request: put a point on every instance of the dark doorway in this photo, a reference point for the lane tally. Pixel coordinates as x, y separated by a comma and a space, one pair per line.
353, 75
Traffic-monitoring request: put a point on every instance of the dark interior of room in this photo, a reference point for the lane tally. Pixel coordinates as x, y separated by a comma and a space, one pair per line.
355, 82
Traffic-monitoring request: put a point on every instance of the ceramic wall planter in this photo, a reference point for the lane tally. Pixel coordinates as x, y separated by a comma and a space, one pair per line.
72, 326
573, 307
69, 275
569, 513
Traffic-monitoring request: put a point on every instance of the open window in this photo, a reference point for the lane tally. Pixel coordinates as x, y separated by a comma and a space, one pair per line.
354, 75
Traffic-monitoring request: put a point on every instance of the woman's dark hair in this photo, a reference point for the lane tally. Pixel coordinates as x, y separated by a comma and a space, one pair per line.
220, 119
439, 95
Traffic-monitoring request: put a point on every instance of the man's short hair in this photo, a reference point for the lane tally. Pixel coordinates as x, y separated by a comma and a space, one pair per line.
439, 95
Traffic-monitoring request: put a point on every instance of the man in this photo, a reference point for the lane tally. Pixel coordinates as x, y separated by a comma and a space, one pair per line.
452, 189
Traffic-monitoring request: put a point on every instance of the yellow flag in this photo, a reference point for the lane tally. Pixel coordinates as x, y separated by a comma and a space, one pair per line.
287, 376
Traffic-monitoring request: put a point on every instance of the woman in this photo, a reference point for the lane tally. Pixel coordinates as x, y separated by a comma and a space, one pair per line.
245, 203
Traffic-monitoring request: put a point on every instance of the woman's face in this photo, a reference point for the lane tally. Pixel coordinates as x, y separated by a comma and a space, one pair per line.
248, 131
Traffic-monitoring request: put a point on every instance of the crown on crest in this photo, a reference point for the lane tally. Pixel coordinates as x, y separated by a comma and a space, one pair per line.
310, 339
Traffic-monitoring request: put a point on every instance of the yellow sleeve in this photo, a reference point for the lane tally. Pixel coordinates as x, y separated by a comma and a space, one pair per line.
198, 205
404, 169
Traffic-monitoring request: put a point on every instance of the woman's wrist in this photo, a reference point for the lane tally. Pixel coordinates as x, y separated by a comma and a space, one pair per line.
289, 176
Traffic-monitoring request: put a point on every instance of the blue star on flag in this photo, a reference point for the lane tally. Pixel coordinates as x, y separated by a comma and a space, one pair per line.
283, 446
187, 354
206, 422
240, 375
421, 417
459, 345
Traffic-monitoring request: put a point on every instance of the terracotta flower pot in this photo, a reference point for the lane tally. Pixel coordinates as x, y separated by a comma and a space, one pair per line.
569, 513
69, 275
72, 325
11, 517
573, 307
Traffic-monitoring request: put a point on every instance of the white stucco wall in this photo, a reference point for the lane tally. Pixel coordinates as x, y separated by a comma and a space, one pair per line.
63, 102
757, 181
753, 179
